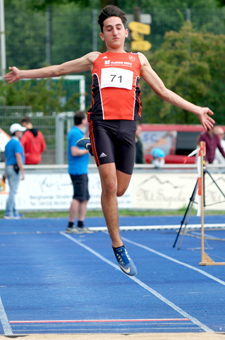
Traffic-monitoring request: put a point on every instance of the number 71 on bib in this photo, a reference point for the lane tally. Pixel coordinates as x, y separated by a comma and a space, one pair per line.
116, 77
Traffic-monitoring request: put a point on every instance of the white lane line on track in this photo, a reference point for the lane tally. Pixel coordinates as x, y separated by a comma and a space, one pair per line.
125, 228
100, 321
174, 260
4, 320
164, 227
143, 285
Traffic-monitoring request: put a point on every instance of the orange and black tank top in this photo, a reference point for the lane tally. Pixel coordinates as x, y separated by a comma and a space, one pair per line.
116, 87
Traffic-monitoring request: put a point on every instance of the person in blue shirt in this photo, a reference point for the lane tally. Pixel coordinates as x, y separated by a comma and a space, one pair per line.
78, 160
14, 160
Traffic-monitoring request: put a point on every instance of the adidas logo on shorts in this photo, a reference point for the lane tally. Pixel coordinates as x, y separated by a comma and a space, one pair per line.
103, 155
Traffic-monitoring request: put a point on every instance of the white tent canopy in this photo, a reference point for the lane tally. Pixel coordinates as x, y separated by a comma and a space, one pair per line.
4, 138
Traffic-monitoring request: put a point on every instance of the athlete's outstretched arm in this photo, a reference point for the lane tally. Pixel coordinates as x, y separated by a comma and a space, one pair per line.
74, 66
153, 80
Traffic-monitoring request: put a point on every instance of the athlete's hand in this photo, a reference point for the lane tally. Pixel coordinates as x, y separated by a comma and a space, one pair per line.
12, 76
206, 121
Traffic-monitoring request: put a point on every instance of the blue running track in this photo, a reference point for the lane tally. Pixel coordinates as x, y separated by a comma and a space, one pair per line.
52, 282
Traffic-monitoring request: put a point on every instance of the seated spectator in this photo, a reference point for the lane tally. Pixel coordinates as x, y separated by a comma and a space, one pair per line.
158, 158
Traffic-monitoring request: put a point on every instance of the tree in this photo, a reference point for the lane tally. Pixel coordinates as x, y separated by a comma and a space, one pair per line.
44, 4
42, 96
192, 64
26, 36
123, 4
221, 2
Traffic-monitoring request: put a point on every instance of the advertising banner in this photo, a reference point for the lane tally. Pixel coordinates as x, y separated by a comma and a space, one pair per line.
54, 192
173, 191
153, 190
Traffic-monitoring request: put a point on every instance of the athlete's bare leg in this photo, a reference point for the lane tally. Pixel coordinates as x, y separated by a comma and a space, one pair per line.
115, 183
110, 182
123, 181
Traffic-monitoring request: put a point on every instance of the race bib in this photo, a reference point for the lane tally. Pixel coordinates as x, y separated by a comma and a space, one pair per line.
116, 77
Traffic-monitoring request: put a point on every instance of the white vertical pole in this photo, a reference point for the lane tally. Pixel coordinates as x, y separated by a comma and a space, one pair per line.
94, 30
59, 138
188, 14
2, 38
49, 35
82, 93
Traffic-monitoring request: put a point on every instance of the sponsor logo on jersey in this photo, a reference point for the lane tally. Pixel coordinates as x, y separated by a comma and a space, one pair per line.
131, 57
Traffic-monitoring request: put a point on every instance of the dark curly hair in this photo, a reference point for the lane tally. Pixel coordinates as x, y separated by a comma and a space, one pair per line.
111, 11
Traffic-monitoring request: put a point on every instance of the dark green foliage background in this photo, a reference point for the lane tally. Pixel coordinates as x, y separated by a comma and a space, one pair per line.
188, 56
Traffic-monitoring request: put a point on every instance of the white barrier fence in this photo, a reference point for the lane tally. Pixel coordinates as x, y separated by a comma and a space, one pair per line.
49, 188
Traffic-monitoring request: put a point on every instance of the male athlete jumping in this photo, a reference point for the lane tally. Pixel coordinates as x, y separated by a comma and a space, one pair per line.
115, 108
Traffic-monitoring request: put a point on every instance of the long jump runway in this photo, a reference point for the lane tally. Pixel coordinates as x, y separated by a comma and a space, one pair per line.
52, 282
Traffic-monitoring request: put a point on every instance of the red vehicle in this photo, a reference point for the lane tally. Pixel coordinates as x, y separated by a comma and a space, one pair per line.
177, 141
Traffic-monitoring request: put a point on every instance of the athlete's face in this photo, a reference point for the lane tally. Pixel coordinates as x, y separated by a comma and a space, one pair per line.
114, 33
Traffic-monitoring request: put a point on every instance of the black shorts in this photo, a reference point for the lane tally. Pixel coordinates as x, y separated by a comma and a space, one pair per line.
80, 187
113, 141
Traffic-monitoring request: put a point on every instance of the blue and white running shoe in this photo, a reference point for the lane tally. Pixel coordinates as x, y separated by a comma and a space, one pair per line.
126, 264
86, 144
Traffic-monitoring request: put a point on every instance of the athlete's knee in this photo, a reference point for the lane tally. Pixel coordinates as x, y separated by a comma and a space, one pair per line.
109, 186
121, 191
